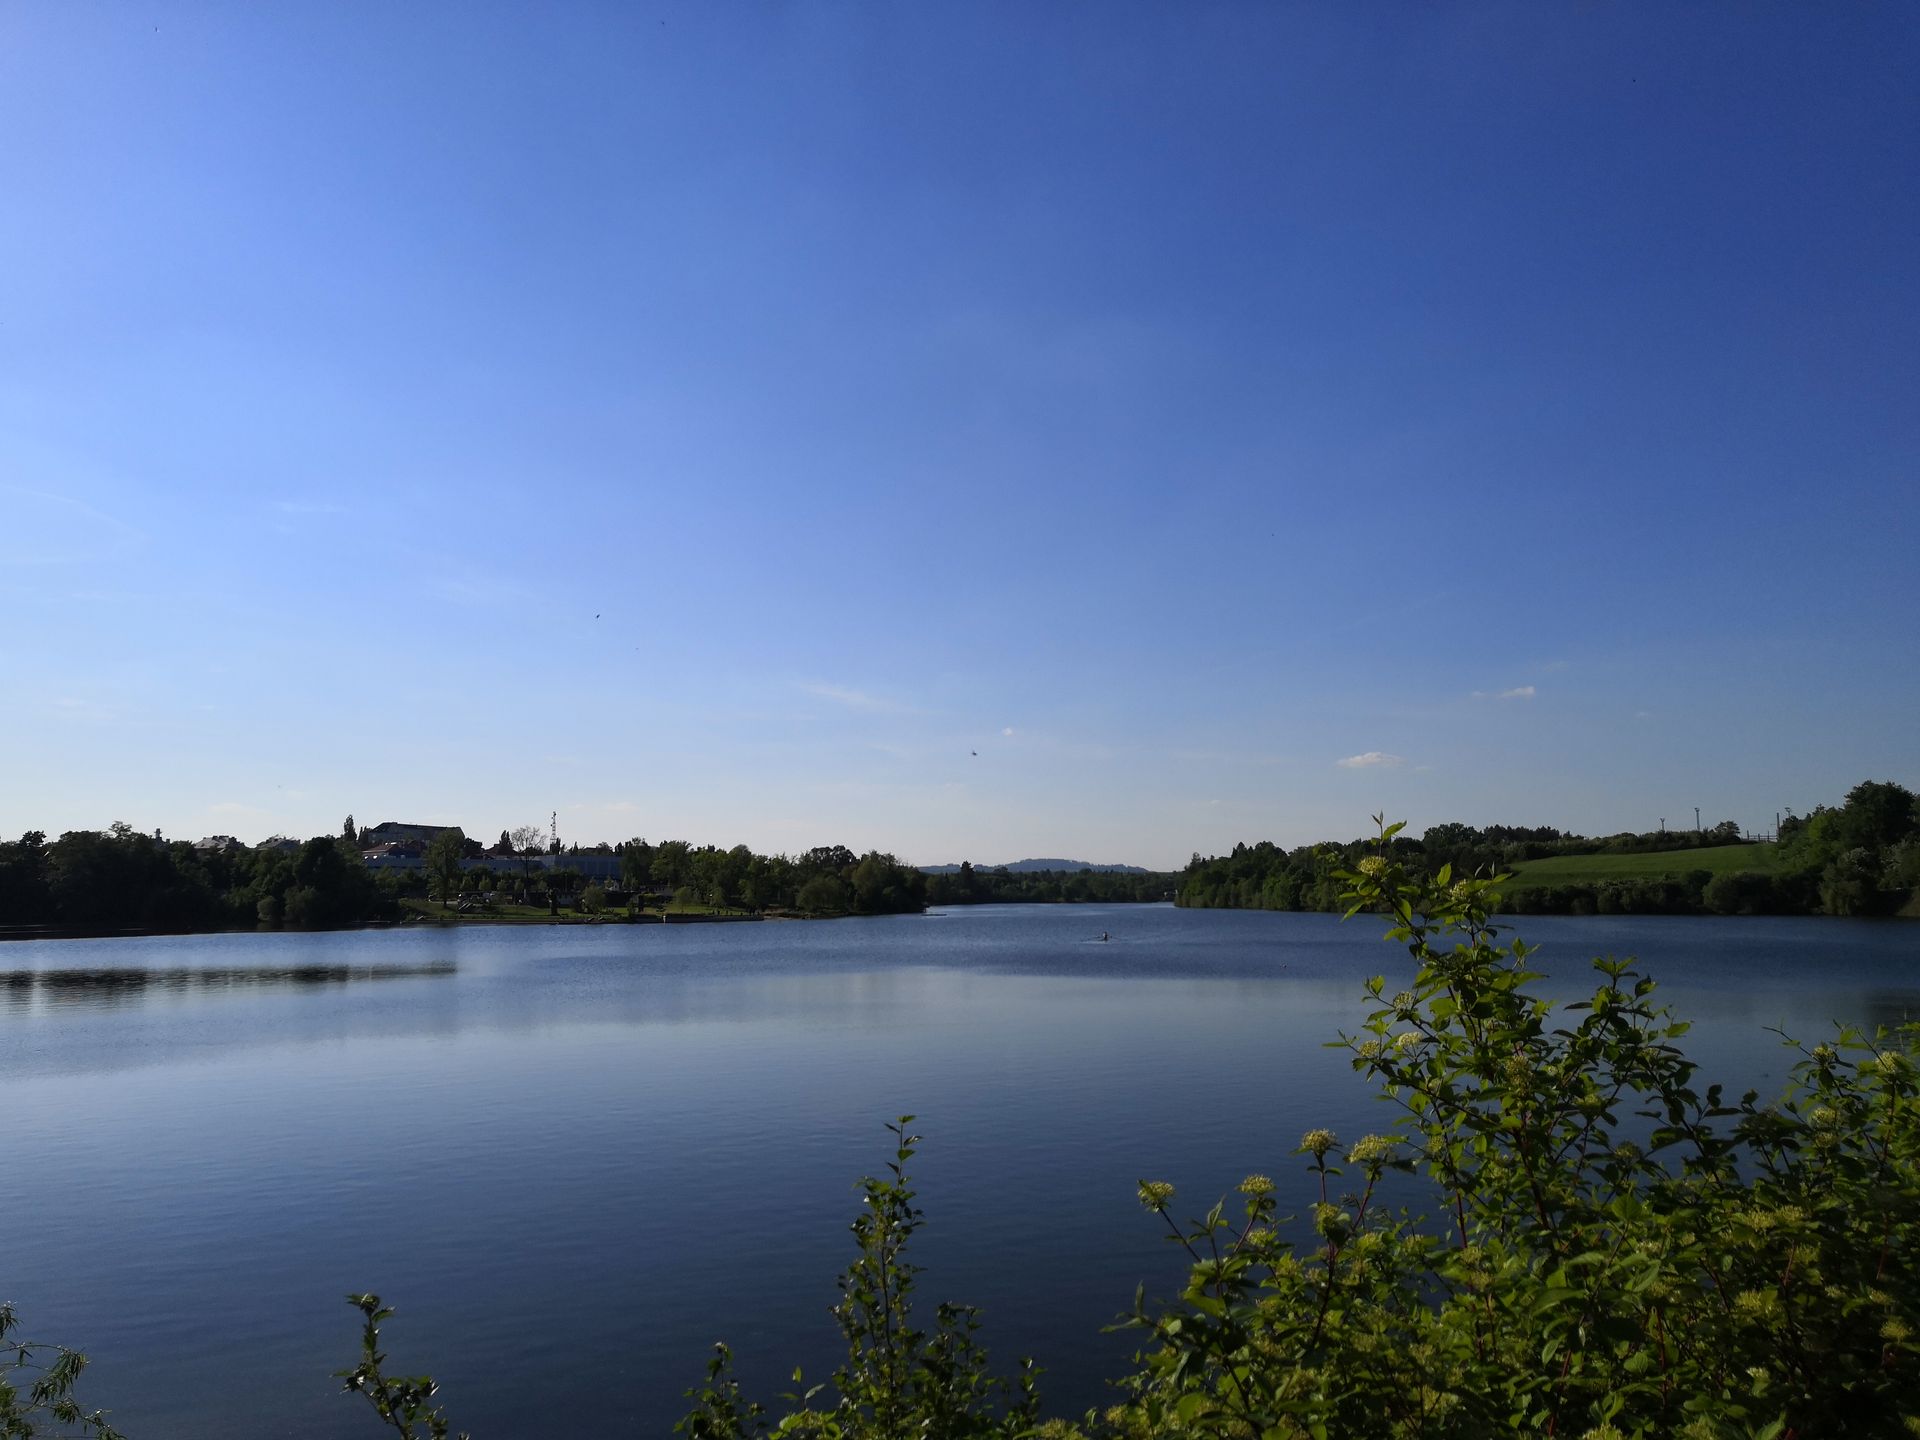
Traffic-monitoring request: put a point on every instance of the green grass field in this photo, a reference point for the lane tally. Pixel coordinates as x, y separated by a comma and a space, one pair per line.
1655, 865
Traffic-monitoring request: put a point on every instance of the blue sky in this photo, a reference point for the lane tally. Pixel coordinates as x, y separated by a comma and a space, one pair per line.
1168, 403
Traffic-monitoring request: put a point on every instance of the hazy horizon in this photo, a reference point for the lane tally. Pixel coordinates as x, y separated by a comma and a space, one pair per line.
1003, 431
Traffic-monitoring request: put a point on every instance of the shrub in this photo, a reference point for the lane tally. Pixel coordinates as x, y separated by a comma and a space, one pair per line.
1740, 892
49, 1373
897, 1380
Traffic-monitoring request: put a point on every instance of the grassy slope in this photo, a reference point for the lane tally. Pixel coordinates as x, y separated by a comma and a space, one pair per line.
1592, 869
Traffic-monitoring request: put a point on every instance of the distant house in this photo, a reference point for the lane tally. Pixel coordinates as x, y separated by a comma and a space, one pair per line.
395, 850
388, 831
218, 845
285, 844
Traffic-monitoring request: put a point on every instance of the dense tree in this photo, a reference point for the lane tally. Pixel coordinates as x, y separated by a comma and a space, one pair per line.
824, 894
25, 897
1877, 815
444, 854
672, 863
121, 879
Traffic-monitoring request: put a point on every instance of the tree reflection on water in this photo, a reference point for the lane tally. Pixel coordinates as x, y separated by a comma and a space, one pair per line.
108, 987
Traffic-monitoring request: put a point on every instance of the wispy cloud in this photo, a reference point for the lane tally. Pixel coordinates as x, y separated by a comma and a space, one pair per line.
309, 507
1518, 692
1225, 757
73, 707
1008, 732
37, 528
1369, 759
856, 699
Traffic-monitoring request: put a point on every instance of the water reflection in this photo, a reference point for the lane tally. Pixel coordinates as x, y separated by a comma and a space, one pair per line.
121, 986
1888, 1009
228, 1122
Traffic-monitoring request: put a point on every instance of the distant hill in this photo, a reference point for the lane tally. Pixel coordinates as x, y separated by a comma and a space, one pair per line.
1025, 867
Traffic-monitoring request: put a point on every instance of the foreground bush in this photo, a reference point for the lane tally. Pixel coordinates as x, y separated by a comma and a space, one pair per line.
36, 1388
1617, 1251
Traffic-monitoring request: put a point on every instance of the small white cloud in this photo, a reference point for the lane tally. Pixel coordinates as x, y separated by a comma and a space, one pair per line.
1518, 692
1008, 731
1643, 714
1369, 759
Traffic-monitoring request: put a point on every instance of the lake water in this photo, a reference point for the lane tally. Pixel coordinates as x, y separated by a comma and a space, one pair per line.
574, 1157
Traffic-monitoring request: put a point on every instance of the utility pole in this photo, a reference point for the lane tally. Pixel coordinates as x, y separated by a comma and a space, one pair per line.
1663, 824
1696, 819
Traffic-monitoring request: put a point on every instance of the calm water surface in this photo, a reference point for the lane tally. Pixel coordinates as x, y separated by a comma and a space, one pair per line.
575, 1157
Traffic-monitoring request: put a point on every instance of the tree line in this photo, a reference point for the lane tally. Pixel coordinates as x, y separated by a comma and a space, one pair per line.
123, 880
1861, 857
826, 880
1000, 886
120, 879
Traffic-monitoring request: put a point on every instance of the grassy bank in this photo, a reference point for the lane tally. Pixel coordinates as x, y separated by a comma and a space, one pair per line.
507, 913
1643, 865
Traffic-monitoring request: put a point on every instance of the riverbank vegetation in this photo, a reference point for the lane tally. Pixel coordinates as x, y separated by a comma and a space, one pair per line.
121, 880
1861, 857
1611, 1246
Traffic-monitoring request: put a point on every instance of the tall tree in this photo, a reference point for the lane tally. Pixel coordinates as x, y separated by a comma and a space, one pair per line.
527, 841
636, 864
443, 862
